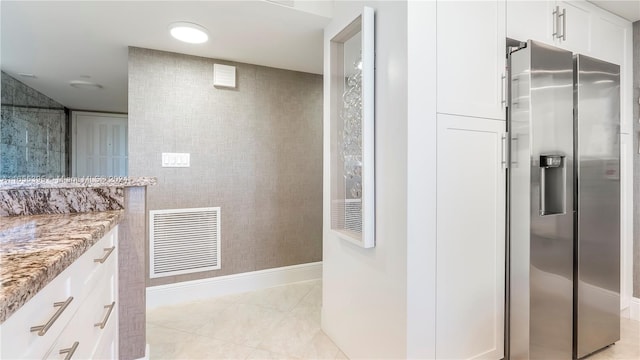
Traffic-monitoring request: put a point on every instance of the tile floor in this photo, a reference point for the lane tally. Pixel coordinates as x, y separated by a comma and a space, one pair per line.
628, 348
277, 323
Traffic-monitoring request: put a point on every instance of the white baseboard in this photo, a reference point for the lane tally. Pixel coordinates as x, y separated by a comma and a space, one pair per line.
187, 291
635, 309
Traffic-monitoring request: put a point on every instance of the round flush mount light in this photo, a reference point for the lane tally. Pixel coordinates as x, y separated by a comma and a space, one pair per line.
188, 32
80, 84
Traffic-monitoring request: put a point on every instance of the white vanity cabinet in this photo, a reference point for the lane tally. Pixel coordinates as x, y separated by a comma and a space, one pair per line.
77, 311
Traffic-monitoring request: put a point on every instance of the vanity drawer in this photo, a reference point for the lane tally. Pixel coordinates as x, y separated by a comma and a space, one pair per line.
96, 317
79, 294
51, 309
100, 258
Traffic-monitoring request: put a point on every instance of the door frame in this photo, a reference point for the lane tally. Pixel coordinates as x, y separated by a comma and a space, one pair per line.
74, 132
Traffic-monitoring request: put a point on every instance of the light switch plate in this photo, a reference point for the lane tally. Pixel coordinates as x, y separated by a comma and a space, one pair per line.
176, 160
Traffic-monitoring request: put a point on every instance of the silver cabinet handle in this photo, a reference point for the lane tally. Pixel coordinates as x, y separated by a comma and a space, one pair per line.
42, 329
555, 22
70, 351
564, 24
102, 324
104, 258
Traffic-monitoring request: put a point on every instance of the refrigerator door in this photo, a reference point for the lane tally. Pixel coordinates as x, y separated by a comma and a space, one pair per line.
597, 121
541, 203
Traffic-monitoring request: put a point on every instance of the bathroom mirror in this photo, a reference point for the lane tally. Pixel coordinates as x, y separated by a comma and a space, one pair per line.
352, 131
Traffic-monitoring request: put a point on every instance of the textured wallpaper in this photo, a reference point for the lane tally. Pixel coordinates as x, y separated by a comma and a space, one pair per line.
33, 131
636, 160
256, 152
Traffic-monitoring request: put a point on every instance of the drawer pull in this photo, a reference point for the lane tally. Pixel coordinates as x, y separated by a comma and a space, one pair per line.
104, 258
69, 351
106, 318
42, 329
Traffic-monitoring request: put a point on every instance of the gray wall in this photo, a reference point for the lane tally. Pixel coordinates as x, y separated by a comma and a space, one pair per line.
256, 151
636, 160
33, 132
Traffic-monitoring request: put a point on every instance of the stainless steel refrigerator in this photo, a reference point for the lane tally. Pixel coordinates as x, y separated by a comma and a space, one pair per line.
564, 204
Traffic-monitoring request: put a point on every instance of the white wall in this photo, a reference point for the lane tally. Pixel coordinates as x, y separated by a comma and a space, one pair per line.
421, 181
365, 290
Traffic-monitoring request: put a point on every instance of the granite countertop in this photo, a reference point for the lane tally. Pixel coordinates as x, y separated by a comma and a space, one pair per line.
79, 182
35, 249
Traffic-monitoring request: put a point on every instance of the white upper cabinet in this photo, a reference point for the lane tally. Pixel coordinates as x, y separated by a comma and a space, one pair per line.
531, 20
471, 58
580, 27
611, 35
566, 24
573, 26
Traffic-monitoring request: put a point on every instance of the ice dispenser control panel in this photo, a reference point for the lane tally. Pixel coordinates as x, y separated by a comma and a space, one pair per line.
551, 161
553, 185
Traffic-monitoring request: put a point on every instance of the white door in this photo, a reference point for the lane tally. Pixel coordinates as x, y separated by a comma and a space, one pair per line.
99, 144
470, 281
471, 58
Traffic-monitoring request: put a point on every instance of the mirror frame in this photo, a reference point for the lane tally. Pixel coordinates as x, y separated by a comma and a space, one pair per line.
364, 25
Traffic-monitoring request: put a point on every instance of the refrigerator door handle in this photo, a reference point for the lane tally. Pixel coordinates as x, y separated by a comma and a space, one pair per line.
513, 154
503, 92
555, 13
503, 152
564, 25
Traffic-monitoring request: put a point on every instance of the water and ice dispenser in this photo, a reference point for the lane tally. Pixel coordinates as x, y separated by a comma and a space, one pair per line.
553, 185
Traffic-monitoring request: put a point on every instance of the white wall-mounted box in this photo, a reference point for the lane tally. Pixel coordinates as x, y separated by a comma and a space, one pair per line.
224, 75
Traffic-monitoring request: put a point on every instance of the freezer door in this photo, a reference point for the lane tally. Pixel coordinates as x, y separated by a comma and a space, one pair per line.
597, 117
541, 203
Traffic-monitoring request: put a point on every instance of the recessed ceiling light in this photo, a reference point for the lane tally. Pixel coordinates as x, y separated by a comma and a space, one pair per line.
188, 32
28, 75
79, 84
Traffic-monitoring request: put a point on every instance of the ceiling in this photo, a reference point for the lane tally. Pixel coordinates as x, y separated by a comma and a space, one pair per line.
63, 41
628, 9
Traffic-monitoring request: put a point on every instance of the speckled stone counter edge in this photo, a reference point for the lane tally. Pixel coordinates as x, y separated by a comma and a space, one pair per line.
60, 201
81, 182
13, 298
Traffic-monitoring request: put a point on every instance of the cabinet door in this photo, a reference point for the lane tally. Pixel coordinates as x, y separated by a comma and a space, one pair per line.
470, 283
575, 27
609, 38
471, 58
612, 41
626, 218
530, 20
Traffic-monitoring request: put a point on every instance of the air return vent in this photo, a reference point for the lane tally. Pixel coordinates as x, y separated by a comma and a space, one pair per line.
184, 241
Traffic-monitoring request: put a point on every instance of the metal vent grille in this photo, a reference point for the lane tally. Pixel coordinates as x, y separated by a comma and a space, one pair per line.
184, 241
